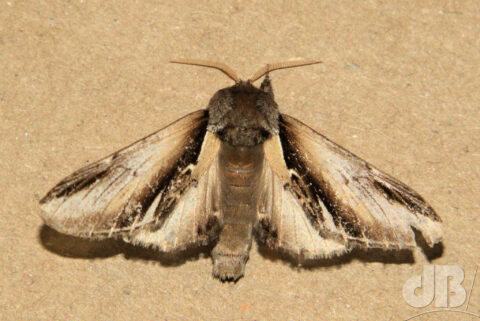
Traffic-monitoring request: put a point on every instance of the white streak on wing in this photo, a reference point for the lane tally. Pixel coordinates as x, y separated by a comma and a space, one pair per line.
150, 215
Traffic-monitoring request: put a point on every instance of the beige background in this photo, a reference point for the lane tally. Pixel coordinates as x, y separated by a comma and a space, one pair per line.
399, 86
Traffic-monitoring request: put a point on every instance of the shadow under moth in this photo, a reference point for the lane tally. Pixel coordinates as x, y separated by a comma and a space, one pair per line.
237, 169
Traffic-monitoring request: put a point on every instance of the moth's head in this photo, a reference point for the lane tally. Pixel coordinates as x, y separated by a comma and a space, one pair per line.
243, 114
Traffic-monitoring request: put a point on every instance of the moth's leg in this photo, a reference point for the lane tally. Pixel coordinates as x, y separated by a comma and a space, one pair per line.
231, 252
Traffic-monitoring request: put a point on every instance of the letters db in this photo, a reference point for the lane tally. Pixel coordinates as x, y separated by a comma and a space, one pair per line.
440, 282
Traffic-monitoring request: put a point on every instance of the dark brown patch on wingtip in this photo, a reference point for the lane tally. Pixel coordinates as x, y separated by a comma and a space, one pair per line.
389, 193
411, 200
73, 184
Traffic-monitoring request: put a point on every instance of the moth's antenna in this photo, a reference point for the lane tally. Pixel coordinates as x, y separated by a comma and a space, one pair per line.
210, 64
281, 65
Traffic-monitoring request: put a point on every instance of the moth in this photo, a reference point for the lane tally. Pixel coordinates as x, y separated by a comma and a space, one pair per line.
236, 170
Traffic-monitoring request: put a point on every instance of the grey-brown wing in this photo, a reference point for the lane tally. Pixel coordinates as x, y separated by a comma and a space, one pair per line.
327, 200
144, 192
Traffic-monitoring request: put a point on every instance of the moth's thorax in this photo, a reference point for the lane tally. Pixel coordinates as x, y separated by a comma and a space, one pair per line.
243, 115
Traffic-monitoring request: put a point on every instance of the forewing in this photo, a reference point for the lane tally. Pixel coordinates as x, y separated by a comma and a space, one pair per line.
343, 198
140, 187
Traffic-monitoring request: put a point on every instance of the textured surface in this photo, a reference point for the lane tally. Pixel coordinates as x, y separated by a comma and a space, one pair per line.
79, 80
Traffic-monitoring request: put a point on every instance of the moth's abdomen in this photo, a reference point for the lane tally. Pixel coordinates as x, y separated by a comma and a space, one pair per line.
241, 166
240, 169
